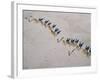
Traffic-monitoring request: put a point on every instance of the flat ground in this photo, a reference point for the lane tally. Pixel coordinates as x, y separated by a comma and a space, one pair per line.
40, 47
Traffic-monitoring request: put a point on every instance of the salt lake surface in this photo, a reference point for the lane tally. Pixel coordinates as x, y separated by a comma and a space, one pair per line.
40, 47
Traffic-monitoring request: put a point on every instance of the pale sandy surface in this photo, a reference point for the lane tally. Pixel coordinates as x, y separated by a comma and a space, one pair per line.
40, 47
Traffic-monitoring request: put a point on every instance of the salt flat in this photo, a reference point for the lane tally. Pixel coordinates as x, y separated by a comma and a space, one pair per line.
40, 47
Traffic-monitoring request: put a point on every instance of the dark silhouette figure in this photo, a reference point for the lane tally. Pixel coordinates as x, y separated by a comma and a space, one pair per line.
56, 29
40, 19
72, 41
49, 23
76, 41
68, 40
58, 32
87, 48
54, 26
89, 52
46, 21
81, 44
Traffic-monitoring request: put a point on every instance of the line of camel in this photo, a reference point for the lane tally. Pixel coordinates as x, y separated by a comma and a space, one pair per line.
56, 31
